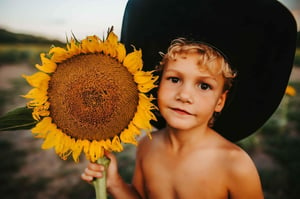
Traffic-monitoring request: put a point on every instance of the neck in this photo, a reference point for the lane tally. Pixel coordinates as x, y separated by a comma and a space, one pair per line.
180, 140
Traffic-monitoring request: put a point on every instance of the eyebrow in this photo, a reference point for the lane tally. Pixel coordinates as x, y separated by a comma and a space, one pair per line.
210, 77
177, 71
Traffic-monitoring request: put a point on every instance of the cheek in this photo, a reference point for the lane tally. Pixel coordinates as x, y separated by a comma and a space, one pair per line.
160, 95
205, 103
163, 95
161, 89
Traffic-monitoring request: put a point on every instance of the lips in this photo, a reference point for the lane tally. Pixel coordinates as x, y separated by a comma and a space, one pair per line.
181, 111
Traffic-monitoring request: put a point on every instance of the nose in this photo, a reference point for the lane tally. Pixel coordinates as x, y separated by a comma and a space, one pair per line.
185, 94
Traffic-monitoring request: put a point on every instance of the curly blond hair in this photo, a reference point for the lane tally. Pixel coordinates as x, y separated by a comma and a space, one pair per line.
209, 59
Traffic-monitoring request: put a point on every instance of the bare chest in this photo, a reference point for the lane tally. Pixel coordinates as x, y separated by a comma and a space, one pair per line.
185, 179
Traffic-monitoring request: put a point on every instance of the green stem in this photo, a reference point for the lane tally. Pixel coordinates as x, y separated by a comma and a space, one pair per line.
100, 183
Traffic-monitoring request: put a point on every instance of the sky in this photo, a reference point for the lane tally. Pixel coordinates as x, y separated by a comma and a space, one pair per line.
56, 19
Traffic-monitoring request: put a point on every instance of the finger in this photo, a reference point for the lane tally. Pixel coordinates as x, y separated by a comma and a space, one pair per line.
86, 178
95, 167
113, 167
110, 156
93, 173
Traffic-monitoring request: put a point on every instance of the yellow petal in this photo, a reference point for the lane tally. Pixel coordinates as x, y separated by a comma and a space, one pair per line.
37, 114
128, 135
133, 61
38, 80
96, 150
86, 145
51, 140
144, 115
145, 80
77, 148
59, 54
112, 38
109, 49
144, 88
121, 51
141, 121
91, 44
145, 102
39, 97
42, 128
116, 144
41, 111
141, 77
73, 47
47, 66
63, 148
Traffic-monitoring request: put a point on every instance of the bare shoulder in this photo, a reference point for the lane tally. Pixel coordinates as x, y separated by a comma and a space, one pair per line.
242, 176
150, 145
237, 161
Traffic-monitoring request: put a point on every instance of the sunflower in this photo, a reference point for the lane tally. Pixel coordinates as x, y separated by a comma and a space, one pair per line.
90, 97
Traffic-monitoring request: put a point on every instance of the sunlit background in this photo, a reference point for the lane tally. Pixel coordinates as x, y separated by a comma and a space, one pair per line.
27, 172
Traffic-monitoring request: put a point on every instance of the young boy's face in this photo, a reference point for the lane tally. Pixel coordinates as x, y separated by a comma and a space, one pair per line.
188, 95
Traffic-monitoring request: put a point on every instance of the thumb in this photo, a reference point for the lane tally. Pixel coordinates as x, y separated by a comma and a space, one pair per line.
113, 161
112, 170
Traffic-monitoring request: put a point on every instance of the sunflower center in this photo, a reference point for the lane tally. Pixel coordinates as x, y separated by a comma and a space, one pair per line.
92, 97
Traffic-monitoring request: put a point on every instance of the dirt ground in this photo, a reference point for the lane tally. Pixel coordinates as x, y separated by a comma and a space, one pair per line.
39, 164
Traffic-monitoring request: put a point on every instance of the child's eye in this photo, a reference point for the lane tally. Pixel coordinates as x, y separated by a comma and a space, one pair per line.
174, 79
204, 86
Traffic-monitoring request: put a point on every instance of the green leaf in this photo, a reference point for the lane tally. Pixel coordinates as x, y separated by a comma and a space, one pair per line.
17, 119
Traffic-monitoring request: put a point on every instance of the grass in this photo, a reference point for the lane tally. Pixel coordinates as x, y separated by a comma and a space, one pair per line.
20, 53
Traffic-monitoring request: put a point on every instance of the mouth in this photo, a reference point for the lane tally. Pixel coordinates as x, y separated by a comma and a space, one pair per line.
181, 111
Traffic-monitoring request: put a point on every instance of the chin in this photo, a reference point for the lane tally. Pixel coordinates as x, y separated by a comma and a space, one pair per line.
180, 125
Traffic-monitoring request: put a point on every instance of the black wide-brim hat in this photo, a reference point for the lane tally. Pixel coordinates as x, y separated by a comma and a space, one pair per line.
257, 37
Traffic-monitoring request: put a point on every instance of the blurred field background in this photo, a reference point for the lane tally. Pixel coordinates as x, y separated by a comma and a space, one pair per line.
26, 171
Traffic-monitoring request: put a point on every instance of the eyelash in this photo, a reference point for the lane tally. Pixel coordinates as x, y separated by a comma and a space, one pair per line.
173, 79
207, 86
176, 80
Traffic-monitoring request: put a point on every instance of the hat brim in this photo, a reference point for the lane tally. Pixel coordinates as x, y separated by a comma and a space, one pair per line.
258, 38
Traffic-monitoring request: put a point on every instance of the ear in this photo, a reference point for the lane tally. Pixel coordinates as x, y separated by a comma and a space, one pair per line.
221, 102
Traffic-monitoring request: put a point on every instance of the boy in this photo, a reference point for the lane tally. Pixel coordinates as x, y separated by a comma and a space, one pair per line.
188, 159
